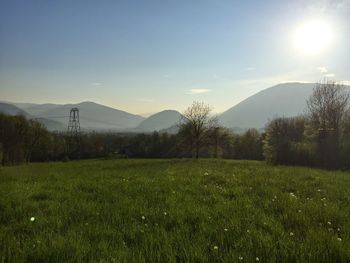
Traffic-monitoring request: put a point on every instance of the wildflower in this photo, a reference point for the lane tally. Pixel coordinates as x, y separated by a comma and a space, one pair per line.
318, 190
206, 173
291, 234
257, 259
165, 213
240, 258
338, 229
275, 197
329, 223
225, 229
299, 211
32, 219
248, 231
339, 239
216, 247
143, 217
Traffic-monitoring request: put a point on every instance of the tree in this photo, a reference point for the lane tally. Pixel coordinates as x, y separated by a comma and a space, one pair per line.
196, 121
327, 106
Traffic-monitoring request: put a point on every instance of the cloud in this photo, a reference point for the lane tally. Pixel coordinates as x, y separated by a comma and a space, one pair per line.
250, 69
145, 100
96, 84
323, 69
330, 75
198, 91
344, 82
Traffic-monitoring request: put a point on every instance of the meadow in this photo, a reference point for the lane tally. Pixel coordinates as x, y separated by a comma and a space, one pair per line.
173, 211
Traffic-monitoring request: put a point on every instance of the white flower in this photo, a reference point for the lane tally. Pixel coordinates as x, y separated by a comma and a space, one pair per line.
225, 229
329, 223
216, 247
257, 259
248, 231
299, 211
206, 173
291, 234
339, 239
32, 219
240, 258
165, 213
318, 190
143, 217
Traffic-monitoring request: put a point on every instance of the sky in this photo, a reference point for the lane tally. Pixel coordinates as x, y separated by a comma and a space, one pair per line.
143, 56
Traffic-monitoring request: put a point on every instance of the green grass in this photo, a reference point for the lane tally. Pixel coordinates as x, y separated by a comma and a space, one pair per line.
173, 211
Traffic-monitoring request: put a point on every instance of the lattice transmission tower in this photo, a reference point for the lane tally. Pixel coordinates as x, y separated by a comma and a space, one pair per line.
74, 123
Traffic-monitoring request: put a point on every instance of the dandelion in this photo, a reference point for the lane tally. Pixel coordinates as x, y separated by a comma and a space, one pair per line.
257, 259
32, 219
216, 248
291, 234
339, 239
143, 217
240, 258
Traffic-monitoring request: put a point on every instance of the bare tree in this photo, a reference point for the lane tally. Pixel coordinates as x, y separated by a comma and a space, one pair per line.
196, 121
327, 106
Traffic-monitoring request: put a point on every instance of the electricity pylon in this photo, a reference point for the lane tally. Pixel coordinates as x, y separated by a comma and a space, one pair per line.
74, 134
74, 124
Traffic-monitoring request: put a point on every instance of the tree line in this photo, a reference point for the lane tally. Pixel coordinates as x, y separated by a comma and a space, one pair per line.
320, 138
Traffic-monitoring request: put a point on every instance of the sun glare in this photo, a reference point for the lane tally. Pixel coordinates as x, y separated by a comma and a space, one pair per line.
312, 37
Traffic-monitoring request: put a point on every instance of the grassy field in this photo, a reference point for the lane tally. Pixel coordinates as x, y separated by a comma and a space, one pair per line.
173, 211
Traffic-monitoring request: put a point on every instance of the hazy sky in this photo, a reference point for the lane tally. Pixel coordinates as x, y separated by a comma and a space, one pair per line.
146, 56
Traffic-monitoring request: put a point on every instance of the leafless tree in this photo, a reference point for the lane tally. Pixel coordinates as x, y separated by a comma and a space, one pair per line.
196, 121
327, 106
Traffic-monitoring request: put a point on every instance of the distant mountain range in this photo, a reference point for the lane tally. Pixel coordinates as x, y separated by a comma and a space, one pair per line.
288, 99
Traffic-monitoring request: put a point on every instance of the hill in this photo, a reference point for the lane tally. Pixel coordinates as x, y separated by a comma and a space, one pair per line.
288, 99
10, 109
94, 116
160, 121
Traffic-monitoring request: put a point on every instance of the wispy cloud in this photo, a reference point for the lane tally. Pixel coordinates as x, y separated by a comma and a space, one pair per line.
322, 69
145, 100
250, 68
96, 84
330, 75
198, 91
344, 82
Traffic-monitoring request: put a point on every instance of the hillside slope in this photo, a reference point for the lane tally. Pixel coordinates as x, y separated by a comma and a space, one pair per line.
159, 121
288, 99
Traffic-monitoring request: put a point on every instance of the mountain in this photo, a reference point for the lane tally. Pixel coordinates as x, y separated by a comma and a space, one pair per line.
288, 99
93, 116
14, 110
160, 121
36, 109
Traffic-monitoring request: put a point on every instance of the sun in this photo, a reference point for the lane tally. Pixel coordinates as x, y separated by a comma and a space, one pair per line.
313, 37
